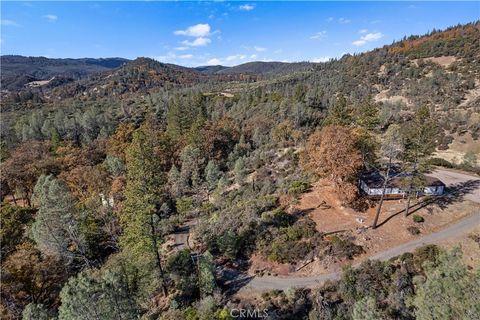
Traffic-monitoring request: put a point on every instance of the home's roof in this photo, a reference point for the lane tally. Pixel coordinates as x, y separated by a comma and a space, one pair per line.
375, 180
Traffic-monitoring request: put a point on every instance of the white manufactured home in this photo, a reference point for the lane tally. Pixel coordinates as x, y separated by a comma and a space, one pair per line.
371, 184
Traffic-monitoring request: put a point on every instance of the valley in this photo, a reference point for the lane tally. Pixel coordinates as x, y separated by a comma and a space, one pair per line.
142, 189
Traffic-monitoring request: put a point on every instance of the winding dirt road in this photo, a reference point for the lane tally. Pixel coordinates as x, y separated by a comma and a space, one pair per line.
281, 283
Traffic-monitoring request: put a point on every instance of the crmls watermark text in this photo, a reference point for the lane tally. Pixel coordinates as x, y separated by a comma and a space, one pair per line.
252, 314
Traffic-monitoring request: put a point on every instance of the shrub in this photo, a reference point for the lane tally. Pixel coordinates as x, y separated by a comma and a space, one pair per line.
418, 219
428, 253
297, 187
440, 162
413, 230
344, 248
278, 218
290, 244
184, 205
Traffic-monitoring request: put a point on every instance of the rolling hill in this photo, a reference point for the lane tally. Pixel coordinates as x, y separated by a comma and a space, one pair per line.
19, 71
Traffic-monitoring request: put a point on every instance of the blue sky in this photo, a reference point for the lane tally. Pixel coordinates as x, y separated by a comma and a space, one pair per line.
228, 33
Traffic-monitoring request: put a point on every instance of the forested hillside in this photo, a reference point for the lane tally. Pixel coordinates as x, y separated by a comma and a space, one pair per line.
101, 172
18, 71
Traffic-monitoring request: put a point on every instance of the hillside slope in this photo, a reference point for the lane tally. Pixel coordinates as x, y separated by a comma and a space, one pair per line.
19, 71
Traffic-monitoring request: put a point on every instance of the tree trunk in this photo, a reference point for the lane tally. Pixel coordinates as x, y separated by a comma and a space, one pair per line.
14, 199
27, 197
409, 193
157, 256
407, 207
379, 209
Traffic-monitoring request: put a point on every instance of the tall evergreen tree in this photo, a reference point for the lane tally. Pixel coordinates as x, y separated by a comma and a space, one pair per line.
145, 194
190, 172
212, 174
239, 170
56, 227
175, 182
340, 114
419, 140
99, 295
206, 274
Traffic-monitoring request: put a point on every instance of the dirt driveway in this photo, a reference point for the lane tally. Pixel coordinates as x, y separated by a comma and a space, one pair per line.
458, 179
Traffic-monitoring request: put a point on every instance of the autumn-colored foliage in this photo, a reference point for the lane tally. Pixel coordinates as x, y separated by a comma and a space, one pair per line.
22, 169
28, 276
332, 153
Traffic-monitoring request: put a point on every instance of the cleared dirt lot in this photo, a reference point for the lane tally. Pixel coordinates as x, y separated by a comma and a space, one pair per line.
323, 207
455, 221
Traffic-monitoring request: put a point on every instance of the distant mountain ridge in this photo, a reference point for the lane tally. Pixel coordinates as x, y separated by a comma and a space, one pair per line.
259, 68
17, 71
271, 68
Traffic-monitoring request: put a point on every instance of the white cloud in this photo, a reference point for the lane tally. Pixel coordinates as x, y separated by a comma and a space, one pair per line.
247, 7
369, 37
50, 17
198, 42
321, 59
232, 60
319, 35
186, 56
236, 57
169, 58
214, 61
6, 22
363, 31
198, 30
259, 49
181, 48
339, 20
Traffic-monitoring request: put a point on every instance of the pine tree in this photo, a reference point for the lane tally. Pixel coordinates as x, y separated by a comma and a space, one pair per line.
145, 194
340, 113
212, 174
419, 140
368, 116
175, 182
102, 295
190, 172
55, 139
56, 226
239, 170
221, 185
206, 277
